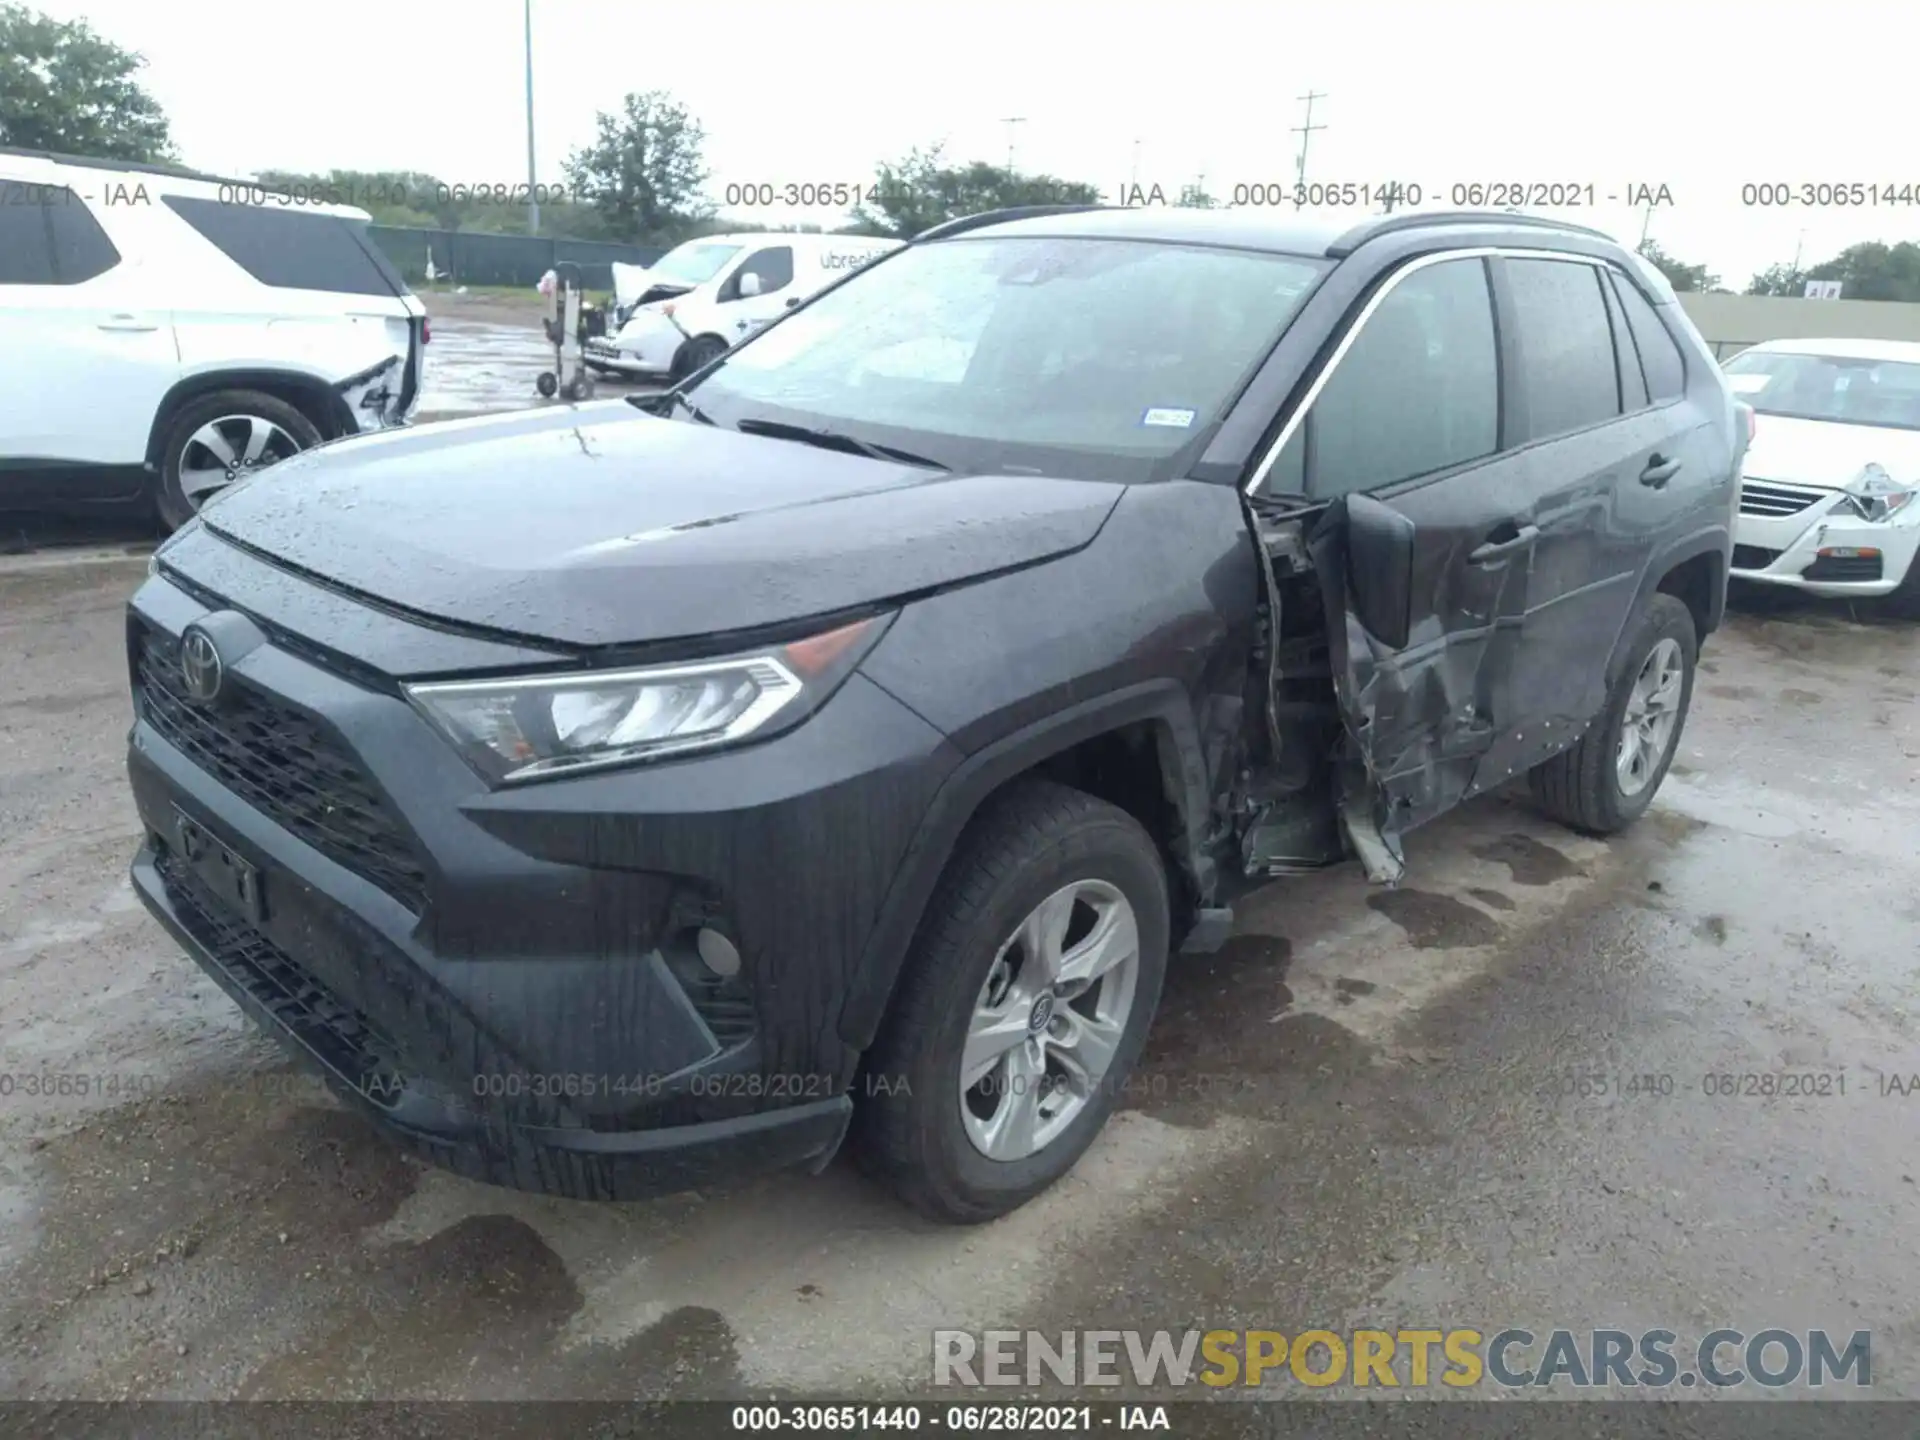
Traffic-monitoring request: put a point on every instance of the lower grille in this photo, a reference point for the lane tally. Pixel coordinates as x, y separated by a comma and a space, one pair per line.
340, 1035
285, 764
1838, 568
1760, 497
1753, 557
725, 1005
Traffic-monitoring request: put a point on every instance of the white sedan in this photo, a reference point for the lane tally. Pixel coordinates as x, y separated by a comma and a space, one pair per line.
1827, 498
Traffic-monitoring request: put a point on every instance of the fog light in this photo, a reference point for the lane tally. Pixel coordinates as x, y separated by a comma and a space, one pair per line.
718, 953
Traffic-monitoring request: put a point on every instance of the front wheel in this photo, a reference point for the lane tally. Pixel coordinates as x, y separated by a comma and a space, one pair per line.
697, 354
1607, 781
221, 438
1903, 602
1023, 1007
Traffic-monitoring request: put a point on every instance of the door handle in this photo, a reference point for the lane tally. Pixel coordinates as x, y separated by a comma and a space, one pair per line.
1494, 550
129, 323
1659, 471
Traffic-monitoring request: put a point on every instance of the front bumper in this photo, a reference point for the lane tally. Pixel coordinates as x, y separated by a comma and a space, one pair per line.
1786, 549
646, 345
506, 980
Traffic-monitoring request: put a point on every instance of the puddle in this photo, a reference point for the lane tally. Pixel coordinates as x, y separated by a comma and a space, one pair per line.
474, 367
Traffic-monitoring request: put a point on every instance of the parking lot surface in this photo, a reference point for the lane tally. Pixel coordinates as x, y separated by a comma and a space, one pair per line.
1366, 1109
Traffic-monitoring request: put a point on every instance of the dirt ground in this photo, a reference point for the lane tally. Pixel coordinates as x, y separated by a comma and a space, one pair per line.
1359, 1110
487, 308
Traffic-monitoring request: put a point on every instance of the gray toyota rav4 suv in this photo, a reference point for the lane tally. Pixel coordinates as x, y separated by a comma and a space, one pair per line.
611, 798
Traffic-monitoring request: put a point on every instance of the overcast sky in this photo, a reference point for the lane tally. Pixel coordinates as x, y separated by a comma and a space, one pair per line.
1702, 97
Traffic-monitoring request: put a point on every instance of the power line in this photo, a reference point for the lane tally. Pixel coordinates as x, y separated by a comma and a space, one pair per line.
1305, 132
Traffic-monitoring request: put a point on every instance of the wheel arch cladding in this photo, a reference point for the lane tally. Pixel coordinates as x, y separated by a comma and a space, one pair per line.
1699, 583
1694, 571
1137, 748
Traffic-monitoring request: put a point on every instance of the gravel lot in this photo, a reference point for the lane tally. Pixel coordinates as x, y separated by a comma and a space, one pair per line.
1352, 1114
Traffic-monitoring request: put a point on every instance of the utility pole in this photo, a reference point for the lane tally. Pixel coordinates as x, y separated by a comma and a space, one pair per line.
1799, 246
1305, 132
1646, 226
533, 201
1136, 163
1010, 122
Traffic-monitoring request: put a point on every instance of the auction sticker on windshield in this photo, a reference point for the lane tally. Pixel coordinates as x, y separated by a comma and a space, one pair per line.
1178, 419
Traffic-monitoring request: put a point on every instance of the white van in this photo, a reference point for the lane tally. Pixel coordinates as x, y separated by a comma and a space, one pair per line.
706, 296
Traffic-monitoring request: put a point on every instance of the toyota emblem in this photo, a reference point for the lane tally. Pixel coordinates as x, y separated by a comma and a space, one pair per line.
200, 666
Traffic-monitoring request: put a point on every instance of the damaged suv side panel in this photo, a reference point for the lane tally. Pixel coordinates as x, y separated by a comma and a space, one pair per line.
1481, 563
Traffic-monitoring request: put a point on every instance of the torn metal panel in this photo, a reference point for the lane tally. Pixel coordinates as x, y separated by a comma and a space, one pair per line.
1422, 716
373, 395
1290, 823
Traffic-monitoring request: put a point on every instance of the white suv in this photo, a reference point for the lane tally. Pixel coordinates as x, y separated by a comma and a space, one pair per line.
162, 333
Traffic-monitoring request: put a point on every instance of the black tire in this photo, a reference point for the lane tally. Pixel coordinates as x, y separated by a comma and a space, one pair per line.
696, 354
171, 495
1024, 846
1580, 787
1903, 602
547, 383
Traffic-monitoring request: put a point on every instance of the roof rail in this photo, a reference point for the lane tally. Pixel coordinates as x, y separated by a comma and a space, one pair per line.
172, 172
961, 224
1415, 220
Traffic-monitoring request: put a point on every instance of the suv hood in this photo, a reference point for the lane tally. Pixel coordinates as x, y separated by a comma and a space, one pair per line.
1826, 454
601, 525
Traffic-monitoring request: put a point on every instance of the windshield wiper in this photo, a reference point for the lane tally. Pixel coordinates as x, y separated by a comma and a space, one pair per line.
836, 440
672, 398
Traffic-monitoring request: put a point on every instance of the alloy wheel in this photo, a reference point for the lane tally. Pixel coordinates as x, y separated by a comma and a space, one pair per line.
227, 449
1048, 1020
1653, 709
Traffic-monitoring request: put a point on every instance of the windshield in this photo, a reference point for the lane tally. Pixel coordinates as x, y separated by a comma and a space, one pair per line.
693, 263
1840, 388
1071, 357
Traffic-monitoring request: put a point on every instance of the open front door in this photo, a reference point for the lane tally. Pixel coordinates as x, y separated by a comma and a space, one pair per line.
1426, 595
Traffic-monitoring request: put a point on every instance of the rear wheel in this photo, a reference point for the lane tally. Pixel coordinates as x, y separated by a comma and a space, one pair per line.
1023, 1006
1606, 781
221, 438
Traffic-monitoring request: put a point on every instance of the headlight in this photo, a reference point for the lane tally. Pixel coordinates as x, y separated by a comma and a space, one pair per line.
1876, 495
523, 728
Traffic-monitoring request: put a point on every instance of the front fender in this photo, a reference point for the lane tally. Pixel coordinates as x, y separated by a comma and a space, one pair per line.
1162, 703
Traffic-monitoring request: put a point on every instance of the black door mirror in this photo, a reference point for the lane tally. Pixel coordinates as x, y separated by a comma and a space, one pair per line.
1380, 569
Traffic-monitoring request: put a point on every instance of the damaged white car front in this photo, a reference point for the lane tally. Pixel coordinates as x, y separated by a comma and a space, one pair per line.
1827, 499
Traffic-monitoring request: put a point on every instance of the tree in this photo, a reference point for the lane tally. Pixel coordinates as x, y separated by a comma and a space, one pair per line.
921, 191
1196, 197
65, 89
1867, 271
1680, 275
1778, 280
645, 171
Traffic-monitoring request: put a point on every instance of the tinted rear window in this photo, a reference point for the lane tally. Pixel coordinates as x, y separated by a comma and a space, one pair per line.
25, 257
1567, 342
293, 249
1659, 355
81, 249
